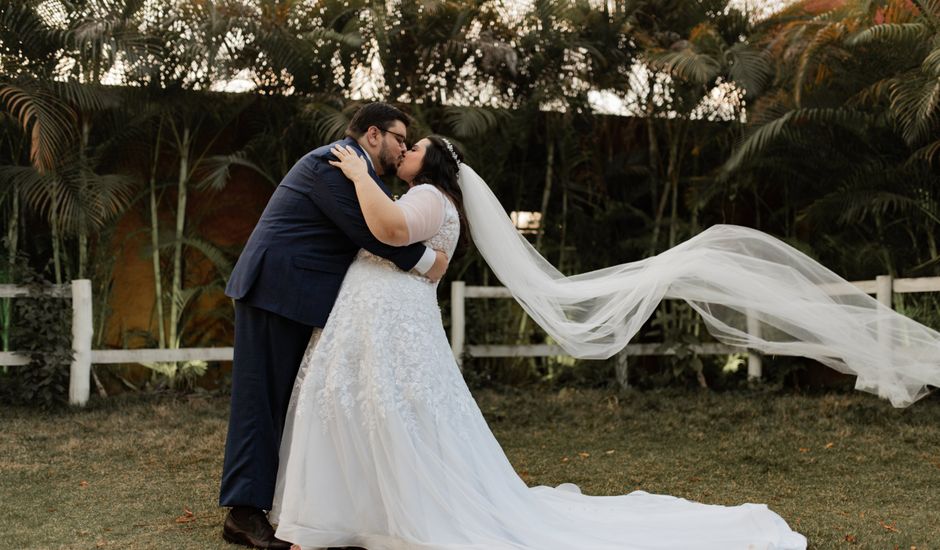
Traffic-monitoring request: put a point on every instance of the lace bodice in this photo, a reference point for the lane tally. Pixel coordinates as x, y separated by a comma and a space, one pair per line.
446, 237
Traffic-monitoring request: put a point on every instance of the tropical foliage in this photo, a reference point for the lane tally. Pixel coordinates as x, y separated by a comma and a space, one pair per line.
628, 126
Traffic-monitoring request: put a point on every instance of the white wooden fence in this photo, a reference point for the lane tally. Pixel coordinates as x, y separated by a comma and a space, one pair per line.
80, 370
882, 287
82, 329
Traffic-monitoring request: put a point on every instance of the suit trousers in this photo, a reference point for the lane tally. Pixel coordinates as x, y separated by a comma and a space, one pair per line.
268, 352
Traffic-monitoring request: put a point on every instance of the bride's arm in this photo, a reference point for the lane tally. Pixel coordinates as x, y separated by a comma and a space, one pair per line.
385, 220
414, 218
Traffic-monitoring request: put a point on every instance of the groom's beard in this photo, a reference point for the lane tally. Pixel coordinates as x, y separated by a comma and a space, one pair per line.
388, 160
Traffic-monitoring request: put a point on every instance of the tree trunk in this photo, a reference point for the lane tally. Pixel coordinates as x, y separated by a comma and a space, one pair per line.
54, 227
12, 244
82, 200
546, 193
654, 178
155, 241
658, 221
931, 242
564, 227
673, 172
177, 288
657, 202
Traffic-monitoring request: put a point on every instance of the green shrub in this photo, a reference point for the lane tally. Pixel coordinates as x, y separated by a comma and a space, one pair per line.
41, 329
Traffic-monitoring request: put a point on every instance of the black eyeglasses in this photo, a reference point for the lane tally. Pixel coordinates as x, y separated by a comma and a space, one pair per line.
398, 137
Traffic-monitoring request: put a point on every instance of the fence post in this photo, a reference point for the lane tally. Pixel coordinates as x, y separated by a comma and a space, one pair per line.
883, 289
755, 367
621, 369
458, 293
82, 329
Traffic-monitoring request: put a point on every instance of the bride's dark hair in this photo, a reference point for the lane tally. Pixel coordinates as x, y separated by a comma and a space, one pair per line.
440, 170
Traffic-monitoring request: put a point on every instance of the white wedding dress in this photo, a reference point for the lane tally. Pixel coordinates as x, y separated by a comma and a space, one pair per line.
386, 448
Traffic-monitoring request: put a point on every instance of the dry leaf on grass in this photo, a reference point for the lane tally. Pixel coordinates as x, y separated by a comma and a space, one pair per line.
890, 526
187, 516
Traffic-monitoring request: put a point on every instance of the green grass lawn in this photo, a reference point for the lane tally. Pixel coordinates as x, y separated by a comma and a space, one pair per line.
848, 471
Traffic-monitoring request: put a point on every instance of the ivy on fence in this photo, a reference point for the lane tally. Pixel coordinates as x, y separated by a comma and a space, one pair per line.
41, 330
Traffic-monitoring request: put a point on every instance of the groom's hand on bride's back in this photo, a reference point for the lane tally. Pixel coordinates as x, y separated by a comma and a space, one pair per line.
436, 273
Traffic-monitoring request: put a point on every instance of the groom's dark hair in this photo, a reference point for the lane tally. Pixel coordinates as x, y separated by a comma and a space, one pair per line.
380, 115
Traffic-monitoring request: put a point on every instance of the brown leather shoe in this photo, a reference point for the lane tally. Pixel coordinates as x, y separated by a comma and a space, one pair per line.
250, 527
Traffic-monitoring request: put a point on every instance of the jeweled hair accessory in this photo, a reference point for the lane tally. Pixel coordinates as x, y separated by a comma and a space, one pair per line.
453, 154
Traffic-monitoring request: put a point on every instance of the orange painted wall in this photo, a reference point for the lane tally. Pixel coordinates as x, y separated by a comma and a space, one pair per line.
224, 218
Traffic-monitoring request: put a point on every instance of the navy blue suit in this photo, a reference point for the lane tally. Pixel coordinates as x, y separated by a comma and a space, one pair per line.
284, 284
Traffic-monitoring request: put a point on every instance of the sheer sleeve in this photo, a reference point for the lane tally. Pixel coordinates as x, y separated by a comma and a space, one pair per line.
423, 207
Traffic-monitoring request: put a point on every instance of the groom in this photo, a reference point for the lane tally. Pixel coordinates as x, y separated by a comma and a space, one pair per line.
284, 286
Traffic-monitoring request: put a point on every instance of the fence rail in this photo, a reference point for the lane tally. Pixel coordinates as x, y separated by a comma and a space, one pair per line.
883, 287
79, 292
82, 329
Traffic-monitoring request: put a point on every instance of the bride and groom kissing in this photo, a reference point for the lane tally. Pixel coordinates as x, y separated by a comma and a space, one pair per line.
285, 285
350, 422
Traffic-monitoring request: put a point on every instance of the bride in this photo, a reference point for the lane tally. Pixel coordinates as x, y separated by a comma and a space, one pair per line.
385, 447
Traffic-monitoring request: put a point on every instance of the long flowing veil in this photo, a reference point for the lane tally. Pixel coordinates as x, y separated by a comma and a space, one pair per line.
729, 275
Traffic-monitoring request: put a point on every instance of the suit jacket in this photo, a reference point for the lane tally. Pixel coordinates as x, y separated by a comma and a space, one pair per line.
308, 235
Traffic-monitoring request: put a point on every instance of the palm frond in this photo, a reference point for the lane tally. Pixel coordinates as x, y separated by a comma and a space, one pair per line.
927, 152
48, 119
330, 122
688, 65
469, 122
218, 257
75, 196
106, 197
86, 97
351, 39
931, 10
931, 63
182, 299
749, 68
30, 182
759, 140
218, 168
784, 127
821, 44
213, 253
88, 202
114, 34
872, 94
899, 33
915, 104
550, 11
26, 36
37, 188
858, 206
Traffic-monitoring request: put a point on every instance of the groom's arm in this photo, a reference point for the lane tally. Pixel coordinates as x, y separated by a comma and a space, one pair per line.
336, 198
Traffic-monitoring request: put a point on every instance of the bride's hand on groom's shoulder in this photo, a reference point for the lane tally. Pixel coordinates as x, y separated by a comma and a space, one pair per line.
349, 162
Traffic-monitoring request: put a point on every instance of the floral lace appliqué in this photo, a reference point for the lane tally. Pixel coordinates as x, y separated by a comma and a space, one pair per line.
384, 351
